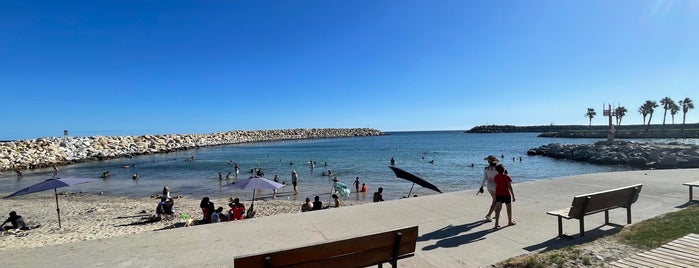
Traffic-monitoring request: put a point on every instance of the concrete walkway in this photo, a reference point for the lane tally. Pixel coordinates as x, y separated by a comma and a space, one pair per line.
451, 227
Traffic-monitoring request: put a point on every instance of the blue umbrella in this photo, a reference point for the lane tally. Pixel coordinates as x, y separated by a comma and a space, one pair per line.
51, 184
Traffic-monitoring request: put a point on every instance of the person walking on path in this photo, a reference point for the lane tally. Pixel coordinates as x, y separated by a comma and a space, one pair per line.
295, 181
503, 194
488, 182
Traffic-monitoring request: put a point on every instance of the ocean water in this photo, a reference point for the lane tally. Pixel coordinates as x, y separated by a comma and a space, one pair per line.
452, 160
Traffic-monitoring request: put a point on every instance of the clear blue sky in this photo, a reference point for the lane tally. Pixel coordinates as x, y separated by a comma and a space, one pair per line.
157, 67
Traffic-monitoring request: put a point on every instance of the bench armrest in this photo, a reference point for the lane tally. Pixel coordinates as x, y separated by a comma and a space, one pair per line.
560, 213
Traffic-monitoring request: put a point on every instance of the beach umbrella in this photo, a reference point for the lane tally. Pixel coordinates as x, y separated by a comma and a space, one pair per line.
254, 183
414, 179
49, 184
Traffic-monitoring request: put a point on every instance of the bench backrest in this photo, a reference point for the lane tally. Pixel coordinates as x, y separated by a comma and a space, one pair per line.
600, 201
354, 252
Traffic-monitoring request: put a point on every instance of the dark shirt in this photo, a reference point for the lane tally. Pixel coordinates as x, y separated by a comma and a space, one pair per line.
377, 197
317, 205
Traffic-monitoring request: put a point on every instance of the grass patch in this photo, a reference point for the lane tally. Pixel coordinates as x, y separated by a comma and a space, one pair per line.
657, 231
644, 235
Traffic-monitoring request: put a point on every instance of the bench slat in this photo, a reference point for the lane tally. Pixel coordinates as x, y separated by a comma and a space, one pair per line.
338, 253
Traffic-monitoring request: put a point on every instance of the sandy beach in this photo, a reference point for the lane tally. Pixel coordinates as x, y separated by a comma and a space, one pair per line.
92, 216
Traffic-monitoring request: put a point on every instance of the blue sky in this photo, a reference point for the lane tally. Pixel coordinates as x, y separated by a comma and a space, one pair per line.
157, 67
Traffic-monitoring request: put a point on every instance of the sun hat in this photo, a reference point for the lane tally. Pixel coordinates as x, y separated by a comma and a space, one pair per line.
491, 158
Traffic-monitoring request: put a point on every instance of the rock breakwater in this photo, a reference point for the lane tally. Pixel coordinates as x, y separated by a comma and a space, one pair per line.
638, 155
46, 152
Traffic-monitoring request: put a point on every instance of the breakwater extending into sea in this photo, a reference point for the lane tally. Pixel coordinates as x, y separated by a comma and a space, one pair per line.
46, 152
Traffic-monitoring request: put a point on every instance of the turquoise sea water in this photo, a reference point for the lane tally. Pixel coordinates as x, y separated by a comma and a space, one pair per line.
452, 153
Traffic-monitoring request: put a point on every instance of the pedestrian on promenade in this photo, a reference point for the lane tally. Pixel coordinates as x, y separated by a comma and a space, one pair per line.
503, 194
488, 182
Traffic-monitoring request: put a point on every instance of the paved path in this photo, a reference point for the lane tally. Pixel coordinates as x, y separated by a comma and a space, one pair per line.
451, 227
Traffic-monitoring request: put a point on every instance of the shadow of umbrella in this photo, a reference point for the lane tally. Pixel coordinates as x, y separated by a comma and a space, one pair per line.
414, 179
254, 183
51, 184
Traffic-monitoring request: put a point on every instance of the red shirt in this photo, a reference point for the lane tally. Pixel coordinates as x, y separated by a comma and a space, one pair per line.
501, 183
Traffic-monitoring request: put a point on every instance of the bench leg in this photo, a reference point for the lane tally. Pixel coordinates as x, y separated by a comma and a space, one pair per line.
691, 193
628, 215
560, 226
606, 217
582, 226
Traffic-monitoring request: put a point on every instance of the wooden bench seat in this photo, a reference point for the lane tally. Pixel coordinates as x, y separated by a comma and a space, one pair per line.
588, 204
691, 188
374, 249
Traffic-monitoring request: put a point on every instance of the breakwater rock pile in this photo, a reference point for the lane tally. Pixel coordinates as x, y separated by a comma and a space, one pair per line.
46, 152
639, 155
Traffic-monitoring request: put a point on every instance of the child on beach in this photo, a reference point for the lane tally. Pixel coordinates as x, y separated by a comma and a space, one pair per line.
503, 194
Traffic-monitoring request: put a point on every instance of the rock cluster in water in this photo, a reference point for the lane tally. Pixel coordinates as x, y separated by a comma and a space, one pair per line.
46, 152
639, 155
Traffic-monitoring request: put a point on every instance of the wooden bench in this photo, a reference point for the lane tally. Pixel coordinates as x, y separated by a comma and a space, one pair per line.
681, 252
588, 204
691, 188
374, 249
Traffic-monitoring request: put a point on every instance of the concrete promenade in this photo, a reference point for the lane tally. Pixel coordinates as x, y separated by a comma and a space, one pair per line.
452, 229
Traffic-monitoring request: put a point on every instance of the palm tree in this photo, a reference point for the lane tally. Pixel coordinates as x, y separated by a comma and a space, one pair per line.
619, 112
687, 105
643, 110
650, 108
590, 114
673, 111
667, 103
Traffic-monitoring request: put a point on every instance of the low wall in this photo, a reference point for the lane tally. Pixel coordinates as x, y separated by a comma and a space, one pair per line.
46, 152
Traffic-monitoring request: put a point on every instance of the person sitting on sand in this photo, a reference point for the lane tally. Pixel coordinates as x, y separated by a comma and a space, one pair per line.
17, 222
307, 206
337, 200
216, 216
378, 197
207, 207
317, 205
237, 211
165, 207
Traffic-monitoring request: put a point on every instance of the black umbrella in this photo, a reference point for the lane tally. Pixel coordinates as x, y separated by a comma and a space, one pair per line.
414, 179
51, 184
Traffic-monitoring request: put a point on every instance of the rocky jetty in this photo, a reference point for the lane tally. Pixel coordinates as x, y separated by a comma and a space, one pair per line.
46, 152
626, 153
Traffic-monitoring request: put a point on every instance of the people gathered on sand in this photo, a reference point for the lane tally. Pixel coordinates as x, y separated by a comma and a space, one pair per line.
207, 208
237, 211
337, 200
317, 204
16, 221
307, 206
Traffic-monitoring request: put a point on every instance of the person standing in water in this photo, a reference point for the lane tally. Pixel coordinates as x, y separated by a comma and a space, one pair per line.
295, 181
